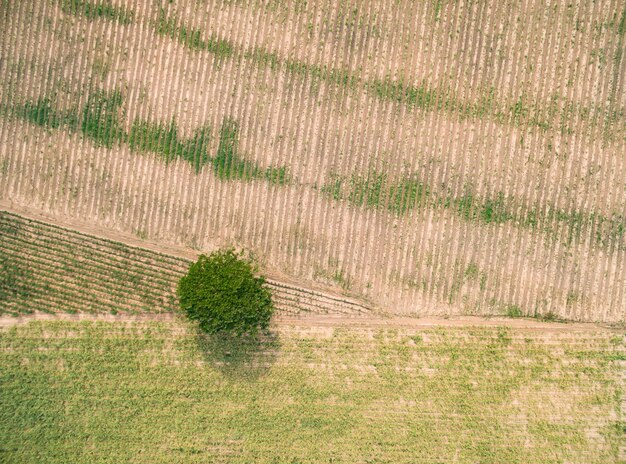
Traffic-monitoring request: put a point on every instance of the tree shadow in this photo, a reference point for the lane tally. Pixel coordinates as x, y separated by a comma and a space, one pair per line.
245, 357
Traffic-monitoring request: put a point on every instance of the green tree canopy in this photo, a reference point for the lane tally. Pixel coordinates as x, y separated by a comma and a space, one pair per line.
222, 293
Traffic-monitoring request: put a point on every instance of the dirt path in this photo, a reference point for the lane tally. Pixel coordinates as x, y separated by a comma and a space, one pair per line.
317, 320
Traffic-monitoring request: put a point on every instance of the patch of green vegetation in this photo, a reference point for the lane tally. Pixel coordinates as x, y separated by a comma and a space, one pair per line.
471, 271
183, 397
464, 206
333, 186
438, 6
374, 190
319, 73
171, 27
513, 310
101, 121
195, 149
276, 175
156, 138
101, 118
264, 58
530, 218
219, 47
40, 112
396, 90
164, 140
229, 164
407, 194
519, 110
494, 210
367, 190
191, 38
607, 231
99, 9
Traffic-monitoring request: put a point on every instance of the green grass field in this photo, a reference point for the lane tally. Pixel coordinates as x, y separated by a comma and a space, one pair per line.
157, 392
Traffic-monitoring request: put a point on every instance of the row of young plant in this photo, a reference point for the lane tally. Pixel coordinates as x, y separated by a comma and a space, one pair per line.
100, 121
48, 268
119, 289
76, 248
100, 9
559, 114
51, 291
44, 272
109, 274
105, 250
375, 190
524, 111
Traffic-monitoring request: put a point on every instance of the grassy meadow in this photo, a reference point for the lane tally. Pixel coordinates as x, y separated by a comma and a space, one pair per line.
88, 392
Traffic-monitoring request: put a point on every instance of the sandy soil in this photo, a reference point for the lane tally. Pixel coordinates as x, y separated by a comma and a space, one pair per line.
360, 321
542, 58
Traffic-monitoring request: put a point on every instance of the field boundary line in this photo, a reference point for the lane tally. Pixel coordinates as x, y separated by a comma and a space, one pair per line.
339, 321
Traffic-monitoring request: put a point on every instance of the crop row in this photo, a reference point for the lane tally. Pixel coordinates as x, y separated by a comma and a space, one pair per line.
115, 283
374, 190
54, 269
68, 257
557, 114
100, 122
108, 250
59, 270
119, 291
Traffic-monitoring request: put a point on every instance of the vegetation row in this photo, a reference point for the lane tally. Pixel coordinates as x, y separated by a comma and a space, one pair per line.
101, 121
376, 190
42, 271
559, 114
47, 268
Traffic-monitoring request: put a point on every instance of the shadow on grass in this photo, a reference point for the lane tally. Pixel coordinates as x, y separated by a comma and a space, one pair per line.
245, 357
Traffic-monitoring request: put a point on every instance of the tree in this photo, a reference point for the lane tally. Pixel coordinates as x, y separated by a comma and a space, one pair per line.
223, 294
